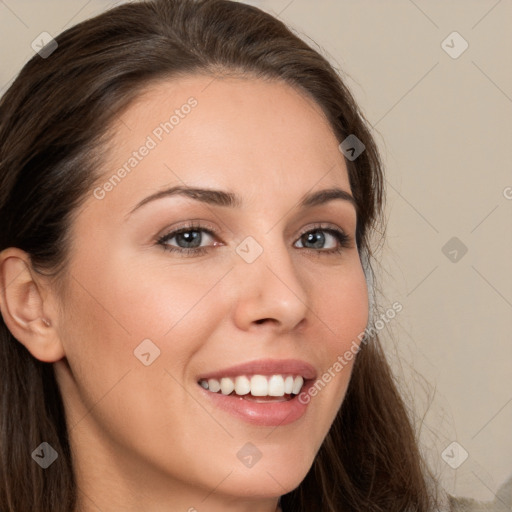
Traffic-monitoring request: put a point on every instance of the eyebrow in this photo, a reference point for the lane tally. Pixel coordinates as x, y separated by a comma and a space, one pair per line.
231, 200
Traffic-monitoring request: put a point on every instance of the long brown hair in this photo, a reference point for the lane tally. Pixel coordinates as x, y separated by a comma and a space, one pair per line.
54, 126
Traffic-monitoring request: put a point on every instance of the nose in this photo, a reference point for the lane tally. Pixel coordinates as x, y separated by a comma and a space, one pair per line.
270, 292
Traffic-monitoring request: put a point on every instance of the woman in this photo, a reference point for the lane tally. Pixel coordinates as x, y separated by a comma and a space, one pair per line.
188, 193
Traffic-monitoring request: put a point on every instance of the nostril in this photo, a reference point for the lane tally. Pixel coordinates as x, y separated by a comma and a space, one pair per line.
262, 320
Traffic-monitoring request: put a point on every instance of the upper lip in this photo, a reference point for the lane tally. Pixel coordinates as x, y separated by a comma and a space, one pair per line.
265, 367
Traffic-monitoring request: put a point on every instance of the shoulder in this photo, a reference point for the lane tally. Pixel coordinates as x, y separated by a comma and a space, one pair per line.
501, 503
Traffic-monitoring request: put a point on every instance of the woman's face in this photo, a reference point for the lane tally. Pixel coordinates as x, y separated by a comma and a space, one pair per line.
265, 276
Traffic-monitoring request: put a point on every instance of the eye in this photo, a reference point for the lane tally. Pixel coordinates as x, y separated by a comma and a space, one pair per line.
316, 239
187, 240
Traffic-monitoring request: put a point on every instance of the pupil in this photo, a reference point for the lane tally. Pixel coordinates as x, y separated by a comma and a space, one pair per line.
191, 239
317, 238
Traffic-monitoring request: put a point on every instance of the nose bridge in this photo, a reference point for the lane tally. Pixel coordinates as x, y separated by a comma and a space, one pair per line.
270, 287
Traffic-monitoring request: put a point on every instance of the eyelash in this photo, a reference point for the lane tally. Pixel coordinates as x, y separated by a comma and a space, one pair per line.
343, 239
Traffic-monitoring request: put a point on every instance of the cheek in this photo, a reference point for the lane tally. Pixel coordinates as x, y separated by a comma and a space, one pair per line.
342, 306
342, 309
111, 311
131, 300
118, 310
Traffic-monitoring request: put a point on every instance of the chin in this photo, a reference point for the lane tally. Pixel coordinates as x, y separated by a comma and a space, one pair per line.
267, 480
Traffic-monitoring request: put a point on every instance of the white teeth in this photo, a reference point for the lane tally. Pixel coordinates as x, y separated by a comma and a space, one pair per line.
242, 386
213, 385
297, 385
226, 386
256, 385
288, 384
276, 385
259, 385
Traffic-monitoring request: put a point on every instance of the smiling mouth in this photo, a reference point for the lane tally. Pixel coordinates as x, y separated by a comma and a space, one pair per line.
256, 388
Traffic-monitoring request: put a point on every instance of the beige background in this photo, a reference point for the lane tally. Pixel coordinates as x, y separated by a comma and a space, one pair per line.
445, 131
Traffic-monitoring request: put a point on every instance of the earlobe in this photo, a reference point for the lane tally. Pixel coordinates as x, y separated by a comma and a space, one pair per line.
22, 305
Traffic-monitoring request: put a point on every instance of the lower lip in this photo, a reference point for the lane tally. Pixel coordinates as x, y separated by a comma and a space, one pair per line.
268, 414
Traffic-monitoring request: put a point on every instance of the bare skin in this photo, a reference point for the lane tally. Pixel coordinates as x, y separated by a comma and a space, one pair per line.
144, 437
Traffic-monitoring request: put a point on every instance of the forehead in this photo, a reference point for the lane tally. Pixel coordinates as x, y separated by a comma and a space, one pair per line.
244, 134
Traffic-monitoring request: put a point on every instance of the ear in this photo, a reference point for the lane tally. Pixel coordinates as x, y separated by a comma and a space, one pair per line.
25, 305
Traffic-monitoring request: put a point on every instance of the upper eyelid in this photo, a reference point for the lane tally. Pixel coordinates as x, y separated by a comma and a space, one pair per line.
191, 226
322, 226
